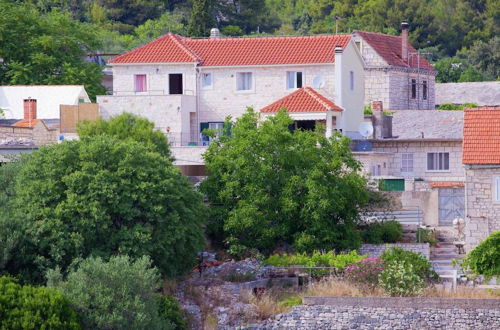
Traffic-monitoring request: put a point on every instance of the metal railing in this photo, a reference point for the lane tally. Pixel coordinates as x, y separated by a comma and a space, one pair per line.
152, 92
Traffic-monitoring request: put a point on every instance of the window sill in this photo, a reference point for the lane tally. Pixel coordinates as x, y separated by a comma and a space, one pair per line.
245, 91
437, 171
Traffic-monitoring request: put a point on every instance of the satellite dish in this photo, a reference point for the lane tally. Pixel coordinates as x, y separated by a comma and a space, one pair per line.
319, 82
365, 129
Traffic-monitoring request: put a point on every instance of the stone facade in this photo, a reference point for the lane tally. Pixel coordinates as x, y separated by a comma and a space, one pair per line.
483, 209
40, 135
376, 250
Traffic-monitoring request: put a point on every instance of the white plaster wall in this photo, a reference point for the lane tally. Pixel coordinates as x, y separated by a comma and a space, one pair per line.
270, 85
420, 150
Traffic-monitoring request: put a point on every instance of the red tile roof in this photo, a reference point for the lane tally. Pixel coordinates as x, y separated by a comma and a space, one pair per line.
389, 48
481, 136
26, 123
172, 48
304, 99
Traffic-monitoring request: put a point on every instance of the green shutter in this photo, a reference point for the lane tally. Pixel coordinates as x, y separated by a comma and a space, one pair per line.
392, 185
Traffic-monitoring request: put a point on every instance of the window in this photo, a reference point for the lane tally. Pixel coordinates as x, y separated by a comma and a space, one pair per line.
351, 80
438, 161
424, 90
244, 81
293, 80
407, 163
217, 126
497, 189
206, 80
175, 83
140, 83
413, 89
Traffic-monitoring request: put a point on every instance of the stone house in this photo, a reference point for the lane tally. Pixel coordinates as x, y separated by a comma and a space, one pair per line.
395, 73
418, 158
481, 158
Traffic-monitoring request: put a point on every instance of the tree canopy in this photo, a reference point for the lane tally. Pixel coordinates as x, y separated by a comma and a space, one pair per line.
98, 197
268, 186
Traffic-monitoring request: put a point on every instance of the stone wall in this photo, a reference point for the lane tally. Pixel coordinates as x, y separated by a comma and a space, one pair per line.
388, 313
376, 250
40, 135
480, 93
482, 210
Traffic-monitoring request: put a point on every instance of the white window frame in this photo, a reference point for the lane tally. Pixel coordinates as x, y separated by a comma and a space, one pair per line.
407, 157
294, 74
351, 80
434, 161
252, 82
496, 183
203, 75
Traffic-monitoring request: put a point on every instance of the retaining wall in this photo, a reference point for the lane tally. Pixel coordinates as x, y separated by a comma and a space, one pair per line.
376, 250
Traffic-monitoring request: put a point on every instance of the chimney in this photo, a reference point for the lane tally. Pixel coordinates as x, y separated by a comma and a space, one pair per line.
382, 124
29, 109
214, 33
404, 41
339, 76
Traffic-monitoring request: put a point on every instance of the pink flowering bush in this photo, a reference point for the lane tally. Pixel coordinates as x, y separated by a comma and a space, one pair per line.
365, 272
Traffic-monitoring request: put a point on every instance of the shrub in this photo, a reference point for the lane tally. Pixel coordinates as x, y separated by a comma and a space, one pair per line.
119, 294
237, 277
400, 279
317, 259
365, 272
419, 263
387, 231
484, 259
29, 307
425, 235
172, 311
102, 196
290, 301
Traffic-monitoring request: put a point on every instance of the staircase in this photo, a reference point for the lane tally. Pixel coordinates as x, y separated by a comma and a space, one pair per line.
443, 254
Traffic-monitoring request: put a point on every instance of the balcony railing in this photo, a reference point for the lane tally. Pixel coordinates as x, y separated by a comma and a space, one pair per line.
188, 140
153, 92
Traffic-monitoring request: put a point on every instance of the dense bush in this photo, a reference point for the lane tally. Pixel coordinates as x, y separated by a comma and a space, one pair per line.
365, 272
387, 231
484, 259
317, 259
425, 235
119, 294
419, 263
401, 279
171, 310
449, 106
273, 187
29, 307
101, 196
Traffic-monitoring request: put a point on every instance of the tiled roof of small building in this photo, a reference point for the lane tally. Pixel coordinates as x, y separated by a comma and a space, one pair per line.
481, 136
26, 123
304, 99
390, 49
172, 48
427, 124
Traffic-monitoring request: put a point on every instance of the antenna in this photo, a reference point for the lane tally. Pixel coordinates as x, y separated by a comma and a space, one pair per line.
319, 82
365, 129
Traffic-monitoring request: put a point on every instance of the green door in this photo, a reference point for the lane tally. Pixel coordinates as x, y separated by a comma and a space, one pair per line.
392, 185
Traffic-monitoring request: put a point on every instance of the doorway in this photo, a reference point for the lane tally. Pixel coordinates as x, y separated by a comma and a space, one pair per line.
451, 205
175, 83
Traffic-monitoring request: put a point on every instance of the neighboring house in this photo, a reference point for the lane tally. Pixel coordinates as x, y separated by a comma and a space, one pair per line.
46, 98
484, 93
421, 158
395, 73
185, 85
481, 157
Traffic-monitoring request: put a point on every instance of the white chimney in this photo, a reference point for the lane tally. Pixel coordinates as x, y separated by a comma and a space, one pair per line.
214, 33
404, 41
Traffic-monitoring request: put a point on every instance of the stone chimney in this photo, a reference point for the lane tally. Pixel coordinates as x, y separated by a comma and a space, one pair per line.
29, 109
214, 33
404, 41
339, 76
382, 124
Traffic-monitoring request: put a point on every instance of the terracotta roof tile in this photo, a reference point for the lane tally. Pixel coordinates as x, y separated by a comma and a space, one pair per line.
389, 48
304, 99
237, 51
447, 184
26, 123
481, 136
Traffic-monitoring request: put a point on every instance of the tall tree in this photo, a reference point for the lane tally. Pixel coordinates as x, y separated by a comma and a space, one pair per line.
201, 20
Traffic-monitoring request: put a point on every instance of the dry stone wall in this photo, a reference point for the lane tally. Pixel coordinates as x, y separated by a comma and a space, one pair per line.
376, 250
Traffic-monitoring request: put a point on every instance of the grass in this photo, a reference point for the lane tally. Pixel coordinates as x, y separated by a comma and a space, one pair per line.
461, 292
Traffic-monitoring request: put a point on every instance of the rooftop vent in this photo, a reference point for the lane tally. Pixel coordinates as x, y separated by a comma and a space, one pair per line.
214, 33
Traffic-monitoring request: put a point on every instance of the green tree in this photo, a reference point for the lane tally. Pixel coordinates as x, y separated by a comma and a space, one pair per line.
101, 196
46, 48
269, 186
127, 127
450, 69
485, 57
484, 259
118, 294
200, 21
28, 307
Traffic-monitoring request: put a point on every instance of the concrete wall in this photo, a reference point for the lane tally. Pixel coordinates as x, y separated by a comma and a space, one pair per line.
482, 211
